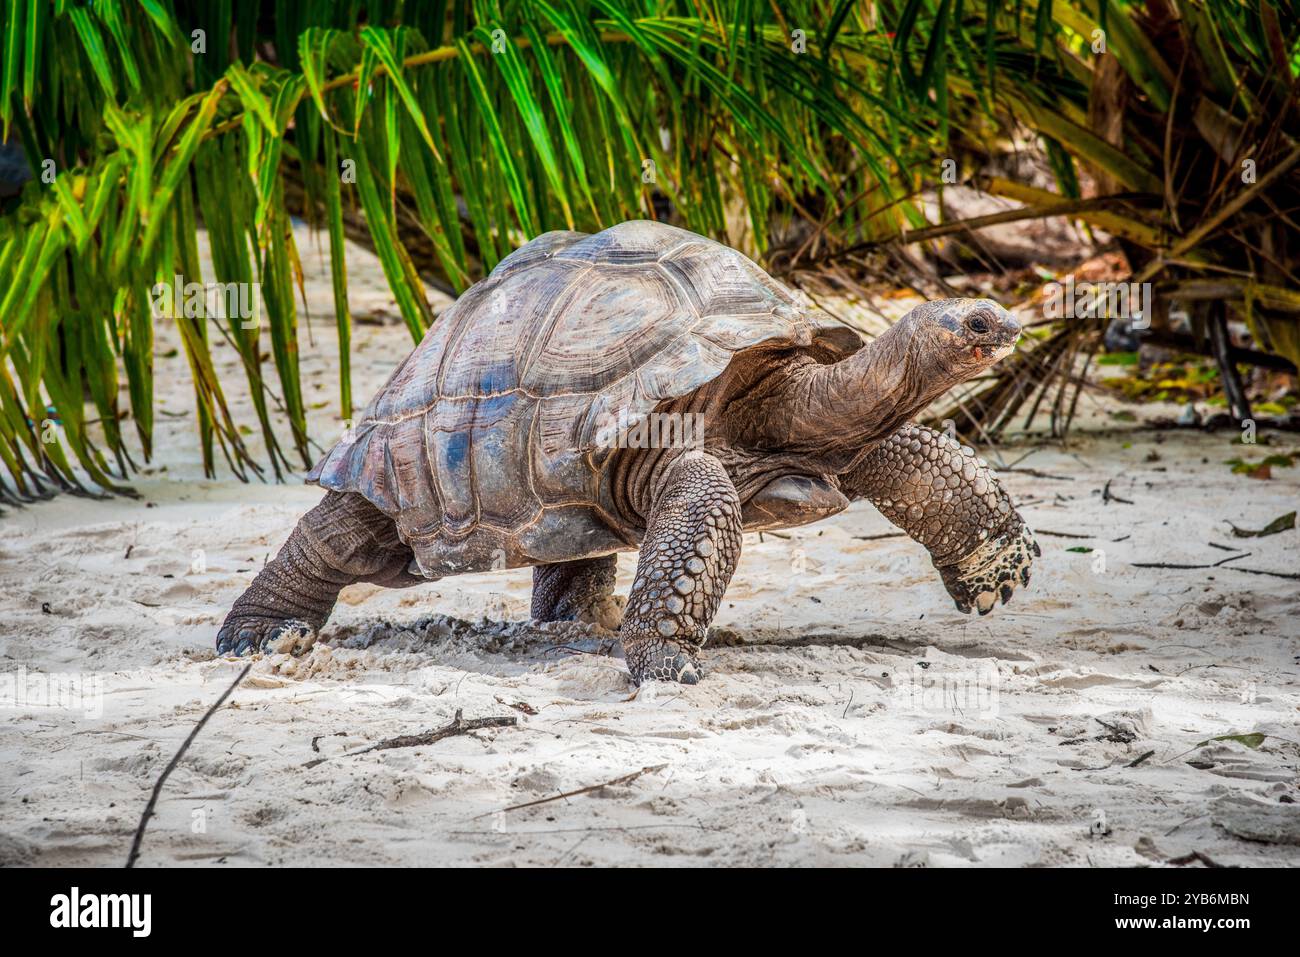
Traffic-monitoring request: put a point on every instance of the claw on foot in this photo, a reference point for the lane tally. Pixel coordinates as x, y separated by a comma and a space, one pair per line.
246, 636
993, 571
663, 661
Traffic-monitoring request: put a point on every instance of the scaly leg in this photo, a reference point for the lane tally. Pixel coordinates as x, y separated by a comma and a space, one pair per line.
691, 547
581, 590
342, 540
949, 500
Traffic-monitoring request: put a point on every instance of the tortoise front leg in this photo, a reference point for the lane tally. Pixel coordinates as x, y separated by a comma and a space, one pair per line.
943, 496
691, 548
343, 540
580, 590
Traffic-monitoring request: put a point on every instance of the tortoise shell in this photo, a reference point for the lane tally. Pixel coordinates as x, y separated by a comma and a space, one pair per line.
483, 444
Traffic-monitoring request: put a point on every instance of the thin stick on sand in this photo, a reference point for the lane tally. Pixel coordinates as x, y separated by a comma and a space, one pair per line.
1221, 562
458, 726
157, 788
625, 779
1107, 496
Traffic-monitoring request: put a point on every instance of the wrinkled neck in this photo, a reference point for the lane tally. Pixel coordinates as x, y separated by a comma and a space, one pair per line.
861, 399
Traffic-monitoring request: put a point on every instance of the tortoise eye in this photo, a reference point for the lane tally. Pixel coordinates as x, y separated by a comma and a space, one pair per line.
978, 324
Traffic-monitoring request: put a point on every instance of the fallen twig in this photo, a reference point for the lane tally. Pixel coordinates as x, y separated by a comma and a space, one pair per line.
1290, 576
316, 747
1038, 474
1115, 734
1283, 523
1139, 760
1260, 571
458, 726
625, 779
1043, 531
1107, 496
1218, 564
157, 788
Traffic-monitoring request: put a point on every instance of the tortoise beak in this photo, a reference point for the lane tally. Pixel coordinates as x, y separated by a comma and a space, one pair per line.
1004, 333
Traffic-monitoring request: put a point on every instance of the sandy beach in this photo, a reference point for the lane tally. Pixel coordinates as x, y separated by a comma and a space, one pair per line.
1111, 714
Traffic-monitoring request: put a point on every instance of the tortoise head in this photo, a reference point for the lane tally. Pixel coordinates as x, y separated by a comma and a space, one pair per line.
956, 339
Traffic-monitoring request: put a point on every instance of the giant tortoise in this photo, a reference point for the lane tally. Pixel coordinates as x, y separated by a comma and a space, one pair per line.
642, 388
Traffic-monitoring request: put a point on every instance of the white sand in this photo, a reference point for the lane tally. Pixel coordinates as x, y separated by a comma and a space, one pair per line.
807, 743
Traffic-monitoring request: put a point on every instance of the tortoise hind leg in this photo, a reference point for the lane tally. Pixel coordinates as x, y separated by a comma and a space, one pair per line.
691, 548
581, 590
342, 540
